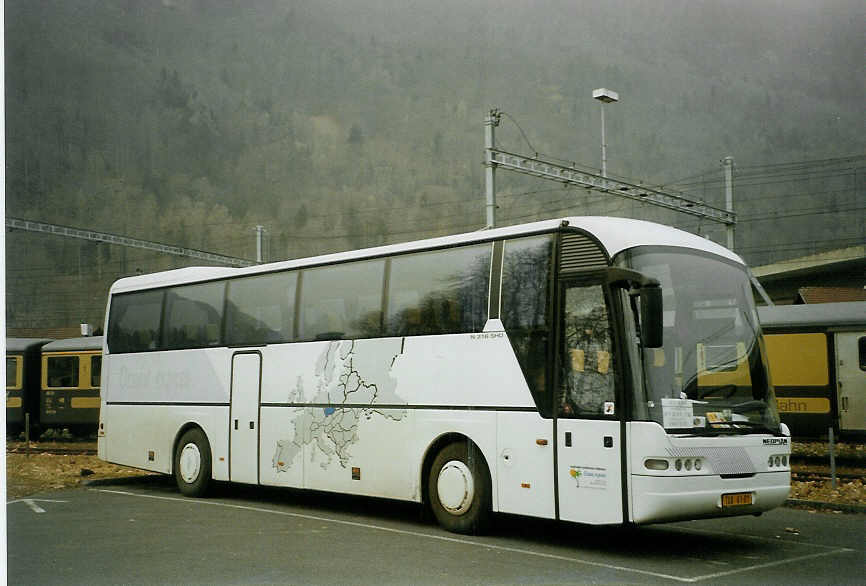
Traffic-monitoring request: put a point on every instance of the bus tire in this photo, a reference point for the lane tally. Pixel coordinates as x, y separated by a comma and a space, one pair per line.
458, 488
192, 463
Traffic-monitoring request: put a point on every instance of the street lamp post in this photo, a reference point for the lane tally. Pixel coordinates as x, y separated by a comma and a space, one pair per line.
605, 96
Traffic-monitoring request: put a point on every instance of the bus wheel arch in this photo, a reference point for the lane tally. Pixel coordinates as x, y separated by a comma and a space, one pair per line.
192, 461
456, 484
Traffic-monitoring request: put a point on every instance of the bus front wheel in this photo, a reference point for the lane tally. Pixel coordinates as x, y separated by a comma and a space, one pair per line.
192, 463
459, 488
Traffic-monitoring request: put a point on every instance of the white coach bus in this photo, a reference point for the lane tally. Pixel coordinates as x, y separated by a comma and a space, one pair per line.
589, 369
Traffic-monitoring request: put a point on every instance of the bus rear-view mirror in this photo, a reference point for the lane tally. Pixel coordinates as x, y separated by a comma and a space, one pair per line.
651, 321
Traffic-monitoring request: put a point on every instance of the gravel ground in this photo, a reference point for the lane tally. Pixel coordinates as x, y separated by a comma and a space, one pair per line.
848, 491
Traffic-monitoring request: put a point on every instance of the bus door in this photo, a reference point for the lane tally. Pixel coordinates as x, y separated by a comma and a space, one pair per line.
851, 380
588, 450
244, 417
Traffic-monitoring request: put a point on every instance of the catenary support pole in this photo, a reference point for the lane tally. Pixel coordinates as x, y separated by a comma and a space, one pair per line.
729, 197
490, 123
259, 232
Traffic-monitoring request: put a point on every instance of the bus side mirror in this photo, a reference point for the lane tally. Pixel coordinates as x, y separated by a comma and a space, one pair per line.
651, 320
650, 292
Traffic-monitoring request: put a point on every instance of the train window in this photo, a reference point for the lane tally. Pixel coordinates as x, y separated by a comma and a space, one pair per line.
95, 371
861, 343
12, 381
62, 371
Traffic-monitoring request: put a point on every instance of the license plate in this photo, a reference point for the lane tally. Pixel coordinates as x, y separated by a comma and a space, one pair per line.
736, 499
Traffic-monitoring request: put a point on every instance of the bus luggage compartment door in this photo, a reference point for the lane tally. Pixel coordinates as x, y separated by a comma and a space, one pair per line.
244, 417
589, 471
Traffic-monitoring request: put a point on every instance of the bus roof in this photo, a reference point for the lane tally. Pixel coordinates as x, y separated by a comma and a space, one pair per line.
848, 313
24, 344
69, 344
614, 234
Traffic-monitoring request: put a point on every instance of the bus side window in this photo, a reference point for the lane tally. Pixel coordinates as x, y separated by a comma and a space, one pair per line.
342, 301
440, 292
193, 316
135, 321
587, 364
526, 276
261, 309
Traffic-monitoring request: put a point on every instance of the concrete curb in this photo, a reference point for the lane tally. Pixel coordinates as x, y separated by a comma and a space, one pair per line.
844, 507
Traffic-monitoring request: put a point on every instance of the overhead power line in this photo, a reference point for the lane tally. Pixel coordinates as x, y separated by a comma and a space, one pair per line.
70, 232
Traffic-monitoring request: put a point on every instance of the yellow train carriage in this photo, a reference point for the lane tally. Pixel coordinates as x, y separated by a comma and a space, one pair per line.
71, 373
817, 356
22, 382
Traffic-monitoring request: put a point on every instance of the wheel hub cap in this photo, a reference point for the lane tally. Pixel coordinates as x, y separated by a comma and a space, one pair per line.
190, 463
455, 487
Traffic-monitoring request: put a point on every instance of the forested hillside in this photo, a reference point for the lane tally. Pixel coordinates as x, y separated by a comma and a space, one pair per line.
340, 124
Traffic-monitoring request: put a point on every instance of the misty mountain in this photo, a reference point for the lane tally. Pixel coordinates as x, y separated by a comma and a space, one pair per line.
337, 124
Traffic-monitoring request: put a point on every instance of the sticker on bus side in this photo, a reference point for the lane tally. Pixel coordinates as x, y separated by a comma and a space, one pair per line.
589, 477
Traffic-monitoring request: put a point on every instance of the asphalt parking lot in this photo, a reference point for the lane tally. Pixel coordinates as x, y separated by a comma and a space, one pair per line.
145, 532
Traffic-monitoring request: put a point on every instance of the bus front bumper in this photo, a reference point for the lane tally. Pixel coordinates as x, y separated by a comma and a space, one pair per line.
659, 499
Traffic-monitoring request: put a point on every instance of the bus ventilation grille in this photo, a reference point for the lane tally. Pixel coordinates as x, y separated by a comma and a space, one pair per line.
732, 461
579, 253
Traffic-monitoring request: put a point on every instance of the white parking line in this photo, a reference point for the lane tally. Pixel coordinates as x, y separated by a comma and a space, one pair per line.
770, 564
757, 537
470, 542
31, 503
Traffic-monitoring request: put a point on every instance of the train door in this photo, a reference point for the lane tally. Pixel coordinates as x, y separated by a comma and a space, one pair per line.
851, 380
244, 417
588, 436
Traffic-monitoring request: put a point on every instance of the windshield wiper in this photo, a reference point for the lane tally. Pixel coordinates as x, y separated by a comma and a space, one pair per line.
751, 426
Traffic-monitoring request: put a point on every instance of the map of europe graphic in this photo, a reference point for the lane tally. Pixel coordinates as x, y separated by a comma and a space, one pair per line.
353, 382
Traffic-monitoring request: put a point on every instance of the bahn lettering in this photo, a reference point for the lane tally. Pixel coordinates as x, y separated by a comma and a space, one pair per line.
790, 405
803, 405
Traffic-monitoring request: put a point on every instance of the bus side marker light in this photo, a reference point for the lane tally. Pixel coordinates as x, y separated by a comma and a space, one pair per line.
525, 485
541, 442
656, 464
356, 473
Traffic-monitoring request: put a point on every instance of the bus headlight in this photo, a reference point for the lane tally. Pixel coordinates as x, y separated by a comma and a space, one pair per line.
656, 464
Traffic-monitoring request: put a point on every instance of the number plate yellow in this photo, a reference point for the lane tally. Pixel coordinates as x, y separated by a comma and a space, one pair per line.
736, 499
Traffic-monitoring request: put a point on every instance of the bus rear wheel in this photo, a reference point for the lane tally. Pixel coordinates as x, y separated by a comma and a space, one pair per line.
192, 463
459, 488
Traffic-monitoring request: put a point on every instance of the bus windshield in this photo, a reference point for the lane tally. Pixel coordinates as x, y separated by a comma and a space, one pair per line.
710, 375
